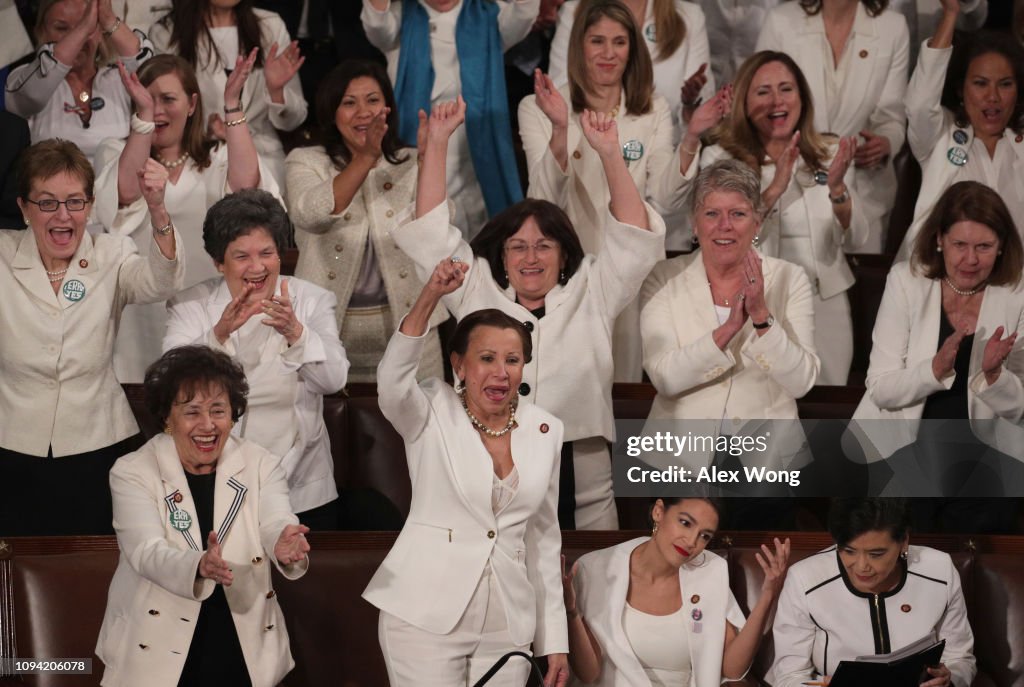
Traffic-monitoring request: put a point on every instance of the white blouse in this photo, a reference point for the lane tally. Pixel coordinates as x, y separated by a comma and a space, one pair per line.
661, 644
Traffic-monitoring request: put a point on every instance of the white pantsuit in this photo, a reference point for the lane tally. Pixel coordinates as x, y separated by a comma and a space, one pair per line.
869, 97
156, 594
316, 362
452, 536
602, 586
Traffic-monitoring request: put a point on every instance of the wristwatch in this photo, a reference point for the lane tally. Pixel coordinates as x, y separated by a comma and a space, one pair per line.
764, 325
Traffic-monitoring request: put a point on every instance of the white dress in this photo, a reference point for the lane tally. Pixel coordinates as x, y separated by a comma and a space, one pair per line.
142, 326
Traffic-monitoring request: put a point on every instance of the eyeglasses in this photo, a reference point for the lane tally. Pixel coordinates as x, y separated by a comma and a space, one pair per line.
520, 248
51, 204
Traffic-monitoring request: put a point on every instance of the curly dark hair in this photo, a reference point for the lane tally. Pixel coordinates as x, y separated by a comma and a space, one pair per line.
238, 214
966, 49
182, 372
848, 518
329, 95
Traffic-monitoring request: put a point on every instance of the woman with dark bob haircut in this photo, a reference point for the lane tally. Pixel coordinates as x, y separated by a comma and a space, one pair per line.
528, 262
945, 343
484, 470
284, 335
855, 599
344, 196
645, 588
175, 546
965, 117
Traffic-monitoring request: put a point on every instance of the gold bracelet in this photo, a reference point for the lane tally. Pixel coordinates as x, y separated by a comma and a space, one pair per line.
236, 122
690, 152
112, 29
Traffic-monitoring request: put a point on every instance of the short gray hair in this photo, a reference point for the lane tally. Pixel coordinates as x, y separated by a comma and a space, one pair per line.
238, 214
728, 175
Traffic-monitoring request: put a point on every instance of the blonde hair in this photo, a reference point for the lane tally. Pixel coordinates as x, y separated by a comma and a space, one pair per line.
106, 55
737, 135
637, 80
669, 29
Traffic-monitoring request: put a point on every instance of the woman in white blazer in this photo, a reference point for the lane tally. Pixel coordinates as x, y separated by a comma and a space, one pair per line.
854, 56
631, 623
65, 290
343, 197
71, 90
528, 262
474, 571
870, 593
677, 41
812, 215
945, 340
728, 334
200, 516
284, 335
167, 138
965, 118
211, 36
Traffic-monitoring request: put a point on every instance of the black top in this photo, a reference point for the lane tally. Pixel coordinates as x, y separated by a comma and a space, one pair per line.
951, 404
215, 656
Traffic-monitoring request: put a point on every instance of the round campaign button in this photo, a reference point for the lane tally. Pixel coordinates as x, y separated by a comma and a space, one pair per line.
180, 520
74, 290
632, 150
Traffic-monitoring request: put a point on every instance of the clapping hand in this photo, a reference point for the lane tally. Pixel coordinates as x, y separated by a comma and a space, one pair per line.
997, 349
840, 164
773, 565
753, 287
232, 94
873, 151
785, 165
550, 100
371, 147
212, 566
142, 98
601, 132
281, 316
238, 311
945, 357
447, 277
710, 113
690, 92
153, 182
279, 68
291, 546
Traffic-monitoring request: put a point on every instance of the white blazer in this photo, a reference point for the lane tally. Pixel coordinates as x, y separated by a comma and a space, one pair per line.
602, 584
317, 360
452, 534
669, 74
156, 594
900, 377
755, 377
930, 131
809, 206
571, 371
262, 116
582, 190
57, 383
871, 97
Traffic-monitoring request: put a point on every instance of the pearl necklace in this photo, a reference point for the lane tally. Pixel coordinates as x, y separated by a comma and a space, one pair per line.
484, 428
961, 292
173, 163
57, 276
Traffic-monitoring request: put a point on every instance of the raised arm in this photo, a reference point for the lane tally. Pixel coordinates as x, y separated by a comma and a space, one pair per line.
288, 107
382, 22
431, 187
626, 204
925, 115
515, 19
125, 42
137, 149
243, 161
741, 647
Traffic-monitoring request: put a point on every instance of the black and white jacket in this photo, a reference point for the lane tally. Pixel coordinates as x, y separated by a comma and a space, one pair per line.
822, 619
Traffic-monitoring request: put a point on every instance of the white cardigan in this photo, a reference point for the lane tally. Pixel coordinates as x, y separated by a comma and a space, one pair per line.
317, 360
262, 116
156, 594
571, 371
900, 377
452, 534
602, 584
822, 620
669, 74
582, 190
57, 383
930, 131
871, 97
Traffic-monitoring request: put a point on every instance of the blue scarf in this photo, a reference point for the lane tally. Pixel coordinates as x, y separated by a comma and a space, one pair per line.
482, 72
